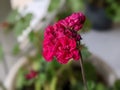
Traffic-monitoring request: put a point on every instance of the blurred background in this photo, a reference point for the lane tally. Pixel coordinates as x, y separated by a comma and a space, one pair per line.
22, 23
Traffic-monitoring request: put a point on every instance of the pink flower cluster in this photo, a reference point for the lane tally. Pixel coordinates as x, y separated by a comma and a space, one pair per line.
60, 40
75, 21
32, 74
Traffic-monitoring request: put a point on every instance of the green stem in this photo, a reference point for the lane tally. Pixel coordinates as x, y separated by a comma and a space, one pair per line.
55, 78
38, 85
83, 73
53, 83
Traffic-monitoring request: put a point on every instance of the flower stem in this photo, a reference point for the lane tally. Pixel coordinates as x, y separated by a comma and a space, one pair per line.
83, 73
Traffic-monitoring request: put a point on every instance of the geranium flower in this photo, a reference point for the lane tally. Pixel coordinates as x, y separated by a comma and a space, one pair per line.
74, 21
66, 50
32, 74
61, 39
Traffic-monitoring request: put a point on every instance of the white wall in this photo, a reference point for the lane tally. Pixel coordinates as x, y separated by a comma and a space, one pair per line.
19, 3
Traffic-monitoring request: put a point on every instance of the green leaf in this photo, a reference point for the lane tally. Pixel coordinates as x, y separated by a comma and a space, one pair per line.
53, 83
90, 71
113, 10
20, 81
55, 64
38, 85
100, 86
77, 5
91, 85
85, 53
42, 78
29, 82
12, 16
117, 85
26, 20
22, 24
32, 37
19, 27
86, 26
53, 5
63, 14
36, 65
28, 17
77, 86
16, 49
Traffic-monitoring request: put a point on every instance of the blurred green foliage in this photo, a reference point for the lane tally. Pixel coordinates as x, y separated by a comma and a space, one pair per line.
22, 24
85, 53
60, 77
76, 5
117, 85
17, 22
21, 80
12, 16
16, 49
54, 75
53, 5
86, 27
113, 9
1, 52
99, 86
90, 71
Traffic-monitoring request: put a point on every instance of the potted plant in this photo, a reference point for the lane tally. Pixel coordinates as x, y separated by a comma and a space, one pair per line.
53, 76
35, 73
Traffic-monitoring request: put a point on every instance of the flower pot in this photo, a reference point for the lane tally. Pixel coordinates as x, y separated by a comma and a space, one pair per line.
102, 68
9, 83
